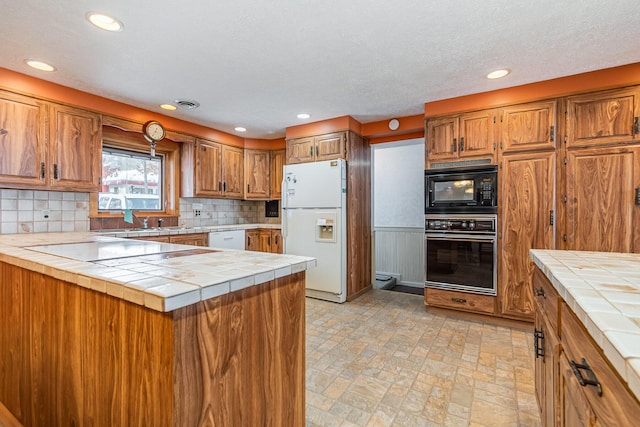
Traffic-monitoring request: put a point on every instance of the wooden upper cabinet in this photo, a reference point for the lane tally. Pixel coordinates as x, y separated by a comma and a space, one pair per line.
442, 138
300, 150
278, 159
330, 146
317, 148
257, 174
528, 127
526, 202
22, 140
232, 172
601, 118
208, 168
469, 135
75, 149
600, 188
477, 134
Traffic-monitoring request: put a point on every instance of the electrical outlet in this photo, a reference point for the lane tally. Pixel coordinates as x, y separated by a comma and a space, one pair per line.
196, 212
45, 214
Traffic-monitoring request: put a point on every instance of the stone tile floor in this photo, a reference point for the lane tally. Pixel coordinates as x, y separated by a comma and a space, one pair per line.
382, 360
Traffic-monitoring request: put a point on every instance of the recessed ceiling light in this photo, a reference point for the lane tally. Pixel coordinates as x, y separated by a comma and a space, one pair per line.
241, 129
104, 22
187, 104
168, 107
304, 115
498, 73
39, 65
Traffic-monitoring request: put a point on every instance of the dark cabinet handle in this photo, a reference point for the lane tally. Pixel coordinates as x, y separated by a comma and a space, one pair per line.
539, 292
591, 376
3, 132
462, 143
538, 342
454, 147
276, 239
460, 300
311, 151
636, 125
552, 133
317, 150
224, 186
42, 170
248, 240
55, 171
248, 188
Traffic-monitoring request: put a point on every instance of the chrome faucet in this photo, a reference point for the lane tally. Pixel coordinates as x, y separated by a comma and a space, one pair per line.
159, 222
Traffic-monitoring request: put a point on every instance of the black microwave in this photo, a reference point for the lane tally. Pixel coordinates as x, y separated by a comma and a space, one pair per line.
461, 190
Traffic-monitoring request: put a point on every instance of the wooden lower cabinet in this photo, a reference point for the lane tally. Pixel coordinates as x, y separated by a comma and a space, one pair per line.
483, 304
252, 240
547, 347
264, 240
609, 404
194, 239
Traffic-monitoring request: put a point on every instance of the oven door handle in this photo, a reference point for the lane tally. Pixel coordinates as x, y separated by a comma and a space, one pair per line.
463, 238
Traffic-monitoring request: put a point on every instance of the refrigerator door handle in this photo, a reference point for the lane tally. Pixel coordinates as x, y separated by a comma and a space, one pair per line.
285, 196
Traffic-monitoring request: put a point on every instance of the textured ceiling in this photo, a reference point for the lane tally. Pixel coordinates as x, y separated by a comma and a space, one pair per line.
257, 63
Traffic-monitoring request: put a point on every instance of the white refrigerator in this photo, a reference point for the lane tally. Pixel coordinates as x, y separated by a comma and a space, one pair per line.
314, 212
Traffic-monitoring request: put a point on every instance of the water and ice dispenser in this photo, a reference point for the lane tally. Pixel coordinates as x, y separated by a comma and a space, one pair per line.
326, 228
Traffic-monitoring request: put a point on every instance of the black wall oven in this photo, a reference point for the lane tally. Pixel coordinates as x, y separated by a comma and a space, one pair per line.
461, 252
456, 190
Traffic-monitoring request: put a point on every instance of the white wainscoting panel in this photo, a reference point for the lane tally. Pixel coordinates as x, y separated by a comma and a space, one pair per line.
400, 251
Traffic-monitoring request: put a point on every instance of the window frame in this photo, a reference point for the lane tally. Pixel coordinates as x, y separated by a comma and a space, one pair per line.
134, 142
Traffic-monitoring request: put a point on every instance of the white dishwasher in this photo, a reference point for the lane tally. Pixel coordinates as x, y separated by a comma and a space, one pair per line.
232, 239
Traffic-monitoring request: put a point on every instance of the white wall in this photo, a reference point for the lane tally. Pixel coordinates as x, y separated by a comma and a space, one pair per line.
398, 210
398, 184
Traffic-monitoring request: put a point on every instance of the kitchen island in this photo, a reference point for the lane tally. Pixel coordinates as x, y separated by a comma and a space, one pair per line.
587, 337
99, 330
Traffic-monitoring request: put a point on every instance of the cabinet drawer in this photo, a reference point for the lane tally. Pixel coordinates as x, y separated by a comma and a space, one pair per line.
616, 405
460, 300
547, 298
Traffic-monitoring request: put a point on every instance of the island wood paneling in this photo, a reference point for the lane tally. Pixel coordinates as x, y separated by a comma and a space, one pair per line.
73, 356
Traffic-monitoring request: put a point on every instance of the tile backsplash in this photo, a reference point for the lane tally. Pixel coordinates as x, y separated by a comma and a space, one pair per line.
34, 211
222, 212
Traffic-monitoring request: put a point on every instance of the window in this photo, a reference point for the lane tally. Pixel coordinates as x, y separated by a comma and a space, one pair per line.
131, 180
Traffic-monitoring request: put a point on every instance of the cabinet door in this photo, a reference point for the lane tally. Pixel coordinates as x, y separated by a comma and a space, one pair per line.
232, 172
22, 140
252, 240
208, 168
600, 188
528, 127
265, 240
477, 134
195, 239
573, 408
257, 170
277, 165
442, 139
526, 200
300, 150
276, 241
546, 368
603, 118
330, 146
75, 145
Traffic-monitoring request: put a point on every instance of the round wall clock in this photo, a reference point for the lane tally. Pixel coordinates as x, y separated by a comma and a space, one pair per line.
153, 131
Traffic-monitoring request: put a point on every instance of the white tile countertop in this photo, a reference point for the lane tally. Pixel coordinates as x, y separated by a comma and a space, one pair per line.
166, 231
161, 276
603, 290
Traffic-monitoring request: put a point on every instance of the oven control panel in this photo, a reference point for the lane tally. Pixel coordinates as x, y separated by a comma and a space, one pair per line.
466, 225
